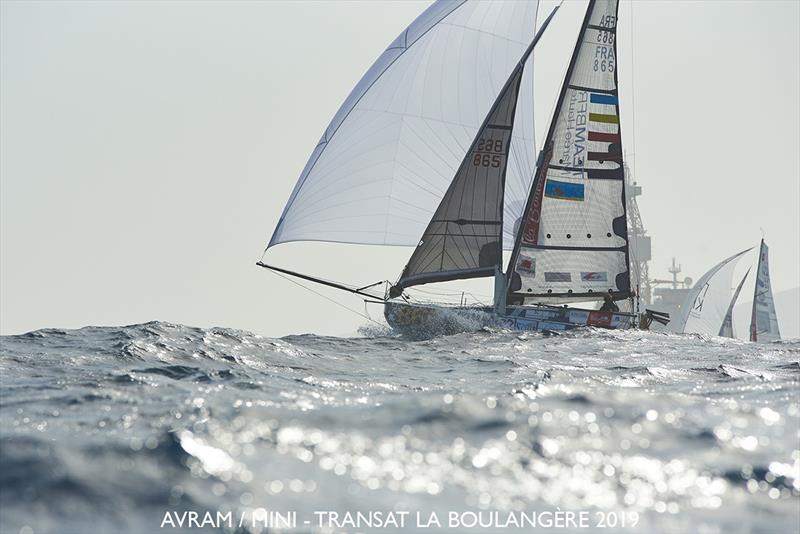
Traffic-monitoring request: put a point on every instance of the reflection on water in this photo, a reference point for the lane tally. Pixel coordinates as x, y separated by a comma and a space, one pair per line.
112, 428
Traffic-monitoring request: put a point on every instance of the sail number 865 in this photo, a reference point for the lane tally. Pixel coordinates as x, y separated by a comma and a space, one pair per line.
488, 153
604, 65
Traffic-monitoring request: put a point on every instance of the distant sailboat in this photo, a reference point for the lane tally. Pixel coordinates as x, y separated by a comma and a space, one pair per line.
764, 320
707, 305
370, 180
726, 330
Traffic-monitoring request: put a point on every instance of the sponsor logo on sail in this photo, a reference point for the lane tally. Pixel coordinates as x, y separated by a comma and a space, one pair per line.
574, 143
526, 265
563, 190
557, 277
594, 277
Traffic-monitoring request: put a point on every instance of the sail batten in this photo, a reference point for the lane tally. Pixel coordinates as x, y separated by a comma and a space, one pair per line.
572, 243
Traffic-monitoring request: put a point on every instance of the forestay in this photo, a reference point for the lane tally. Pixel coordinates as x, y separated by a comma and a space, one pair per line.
704, 308
726, 330
390, 152
573, 244
764, 320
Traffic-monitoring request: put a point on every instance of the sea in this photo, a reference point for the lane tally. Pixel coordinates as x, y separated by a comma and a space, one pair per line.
162, 427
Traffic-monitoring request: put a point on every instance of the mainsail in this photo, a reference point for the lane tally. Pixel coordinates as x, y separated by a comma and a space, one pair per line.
464, 236
389, 154
705, 306
726, 330
764, 320
573, 241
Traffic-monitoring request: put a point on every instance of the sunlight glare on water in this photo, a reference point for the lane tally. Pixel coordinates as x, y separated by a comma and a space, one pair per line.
111, 427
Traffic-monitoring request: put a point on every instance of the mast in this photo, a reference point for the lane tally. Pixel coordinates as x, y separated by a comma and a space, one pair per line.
586, 254
639, 241
753, 320
464, 236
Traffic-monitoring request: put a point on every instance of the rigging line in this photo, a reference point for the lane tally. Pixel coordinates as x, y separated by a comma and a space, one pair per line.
442, 291
633, 101
328, 298
373, 285
532, 72
445, 301
451, 299
322, 281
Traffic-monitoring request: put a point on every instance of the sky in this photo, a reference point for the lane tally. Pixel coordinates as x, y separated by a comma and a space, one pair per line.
148, 148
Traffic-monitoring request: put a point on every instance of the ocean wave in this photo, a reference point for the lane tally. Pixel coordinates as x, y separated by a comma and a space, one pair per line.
113, 425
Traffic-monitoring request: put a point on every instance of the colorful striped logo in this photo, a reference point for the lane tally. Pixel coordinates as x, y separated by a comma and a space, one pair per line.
603, 117
596, 98
613, 153
608, 100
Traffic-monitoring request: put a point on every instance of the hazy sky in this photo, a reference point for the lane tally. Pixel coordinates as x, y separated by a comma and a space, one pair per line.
148, 148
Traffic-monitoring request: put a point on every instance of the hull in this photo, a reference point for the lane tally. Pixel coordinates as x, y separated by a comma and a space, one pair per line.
422, 321
431, 320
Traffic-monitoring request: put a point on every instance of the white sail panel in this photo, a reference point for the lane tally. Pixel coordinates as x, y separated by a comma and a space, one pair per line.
387, 158
764, 321
574, 243
704, 308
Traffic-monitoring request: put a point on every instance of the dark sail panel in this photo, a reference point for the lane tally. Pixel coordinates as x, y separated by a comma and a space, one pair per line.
464, 237
574, 224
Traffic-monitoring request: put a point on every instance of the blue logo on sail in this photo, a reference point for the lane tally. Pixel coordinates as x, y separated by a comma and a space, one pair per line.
563, 190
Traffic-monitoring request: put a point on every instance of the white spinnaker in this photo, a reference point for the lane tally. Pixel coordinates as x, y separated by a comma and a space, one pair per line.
391, 151
703, 310
764, 320
726, 330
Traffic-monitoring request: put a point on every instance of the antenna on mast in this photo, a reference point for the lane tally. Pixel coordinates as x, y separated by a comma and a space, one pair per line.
674, 270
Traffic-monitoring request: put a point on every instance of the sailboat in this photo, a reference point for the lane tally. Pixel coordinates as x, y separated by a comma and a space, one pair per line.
708, 306
563, 220
764, 320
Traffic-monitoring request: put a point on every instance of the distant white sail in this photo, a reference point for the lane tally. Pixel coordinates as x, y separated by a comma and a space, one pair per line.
390, 152
764, 320
726, 330
704, 309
